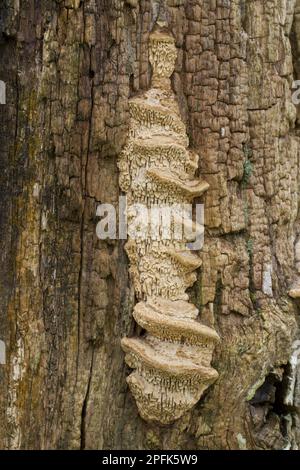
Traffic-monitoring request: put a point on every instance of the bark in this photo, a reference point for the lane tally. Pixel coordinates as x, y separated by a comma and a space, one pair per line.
66, 297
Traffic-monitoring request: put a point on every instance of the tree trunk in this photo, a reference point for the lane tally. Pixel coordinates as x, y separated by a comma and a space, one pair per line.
70, 68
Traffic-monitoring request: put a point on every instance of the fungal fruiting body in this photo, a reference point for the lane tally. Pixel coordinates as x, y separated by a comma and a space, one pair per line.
172, 362
172, 359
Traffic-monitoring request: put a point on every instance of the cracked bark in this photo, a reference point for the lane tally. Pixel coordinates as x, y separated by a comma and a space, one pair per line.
66, 299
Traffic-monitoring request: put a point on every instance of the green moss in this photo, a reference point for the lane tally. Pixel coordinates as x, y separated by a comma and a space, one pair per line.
153, 440
248, 170
254, 388
247, 151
